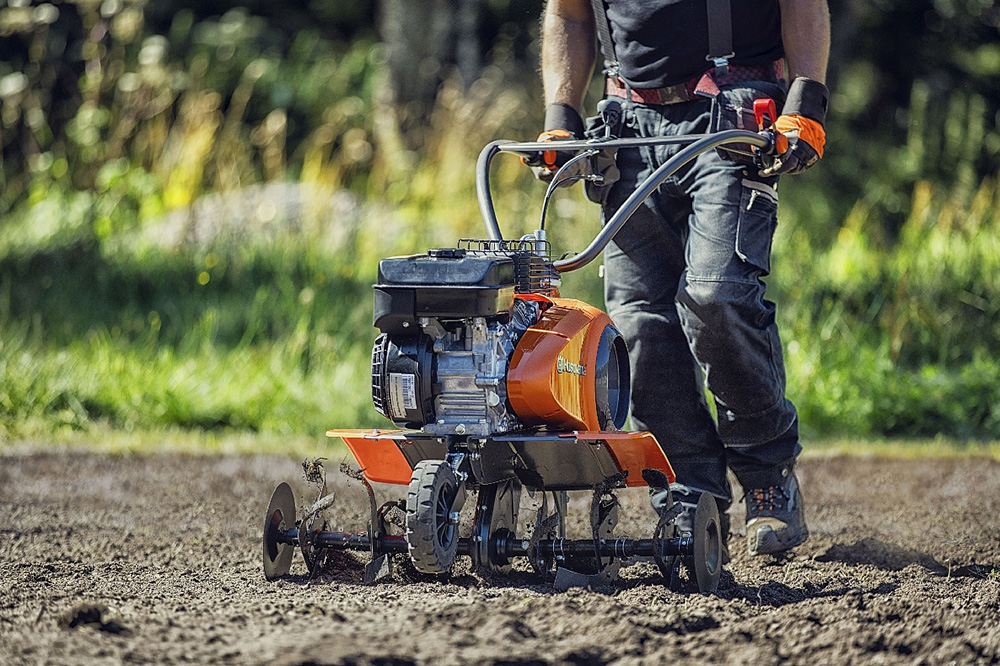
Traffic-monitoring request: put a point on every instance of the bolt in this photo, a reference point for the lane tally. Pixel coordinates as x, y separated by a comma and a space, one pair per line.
525, 544
460, 429
453, 517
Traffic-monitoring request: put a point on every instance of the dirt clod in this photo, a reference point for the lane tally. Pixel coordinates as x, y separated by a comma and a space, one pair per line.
89, 614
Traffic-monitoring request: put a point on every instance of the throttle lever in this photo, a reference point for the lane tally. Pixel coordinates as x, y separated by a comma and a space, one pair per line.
766, 113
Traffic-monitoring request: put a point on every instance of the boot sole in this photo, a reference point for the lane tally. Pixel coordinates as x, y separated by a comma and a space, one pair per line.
767, 541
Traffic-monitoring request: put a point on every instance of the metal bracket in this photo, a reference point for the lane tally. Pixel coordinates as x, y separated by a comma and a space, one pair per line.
721, 64
455, 461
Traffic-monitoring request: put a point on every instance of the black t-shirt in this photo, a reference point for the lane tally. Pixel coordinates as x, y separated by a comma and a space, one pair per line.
663, 42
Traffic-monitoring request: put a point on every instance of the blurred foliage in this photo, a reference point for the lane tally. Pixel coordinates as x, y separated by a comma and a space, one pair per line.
173, 249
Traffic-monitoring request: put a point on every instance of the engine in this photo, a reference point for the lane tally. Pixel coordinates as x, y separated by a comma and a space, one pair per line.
451, 322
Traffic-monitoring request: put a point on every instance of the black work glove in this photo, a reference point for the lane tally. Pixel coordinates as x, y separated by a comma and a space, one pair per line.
562, 122
802, 124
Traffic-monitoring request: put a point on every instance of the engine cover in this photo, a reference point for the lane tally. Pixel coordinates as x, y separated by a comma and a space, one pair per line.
571, 370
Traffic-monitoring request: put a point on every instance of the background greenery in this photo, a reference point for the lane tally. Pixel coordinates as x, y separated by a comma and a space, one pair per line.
194, 197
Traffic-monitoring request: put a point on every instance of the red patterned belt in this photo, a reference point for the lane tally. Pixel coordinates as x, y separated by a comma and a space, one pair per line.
706, 84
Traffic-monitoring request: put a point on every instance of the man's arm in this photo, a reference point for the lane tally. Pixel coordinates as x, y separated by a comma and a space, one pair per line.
805, 31
568, 38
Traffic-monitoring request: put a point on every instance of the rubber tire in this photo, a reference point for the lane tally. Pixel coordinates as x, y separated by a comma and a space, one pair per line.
432, 544
707, 565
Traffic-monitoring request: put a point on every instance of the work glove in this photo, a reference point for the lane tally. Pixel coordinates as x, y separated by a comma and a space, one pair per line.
562, 123
802, 123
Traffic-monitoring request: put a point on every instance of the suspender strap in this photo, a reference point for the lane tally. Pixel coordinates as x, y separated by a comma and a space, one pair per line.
611, 64
720, 35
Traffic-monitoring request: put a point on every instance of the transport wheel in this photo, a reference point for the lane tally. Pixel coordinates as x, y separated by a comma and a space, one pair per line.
707, 565
431, 532
280, 517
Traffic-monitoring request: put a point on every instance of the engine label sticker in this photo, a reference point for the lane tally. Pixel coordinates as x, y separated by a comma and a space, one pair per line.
402, 394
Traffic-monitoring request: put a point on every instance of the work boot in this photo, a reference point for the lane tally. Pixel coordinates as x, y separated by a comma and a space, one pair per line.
775, 522
685, 521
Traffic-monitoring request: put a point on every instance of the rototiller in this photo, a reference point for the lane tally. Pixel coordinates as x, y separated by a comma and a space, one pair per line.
496, 383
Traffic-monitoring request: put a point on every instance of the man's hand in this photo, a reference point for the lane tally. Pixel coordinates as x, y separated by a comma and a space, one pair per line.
801, 121
562, 123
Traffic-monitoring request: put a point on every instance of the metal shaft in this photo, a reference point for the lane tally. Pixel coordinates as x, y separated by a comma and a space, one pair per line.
508, 546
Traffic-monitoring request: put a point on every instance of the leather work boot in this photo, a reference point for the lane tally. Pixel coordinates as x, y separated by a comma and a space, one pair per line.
775, 522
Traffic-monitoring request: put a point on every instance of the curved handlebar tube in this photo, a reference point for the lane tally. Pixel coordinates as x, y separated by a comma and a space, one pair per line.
696, 144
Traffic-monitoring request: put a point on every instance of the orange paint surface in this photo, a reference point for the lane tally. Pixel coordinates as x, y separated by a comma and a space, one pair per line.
543, 385
634, 451
378, 457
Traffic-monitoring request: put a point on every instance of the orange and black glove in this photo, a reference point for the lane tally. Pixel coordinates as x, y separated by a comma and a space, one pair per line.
562, 123
802, 122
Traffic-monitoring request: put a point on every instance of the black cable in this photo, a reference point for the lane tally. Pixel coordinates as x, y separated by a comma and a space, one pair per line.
558, 182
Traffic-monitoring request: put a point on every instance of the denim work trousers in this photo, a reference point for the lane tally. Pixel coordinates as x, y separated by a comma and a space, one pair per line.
683, 284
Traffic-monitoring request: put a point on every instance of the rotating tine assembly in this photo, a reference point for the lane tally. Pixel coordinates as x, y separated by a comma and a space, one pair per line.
494, 383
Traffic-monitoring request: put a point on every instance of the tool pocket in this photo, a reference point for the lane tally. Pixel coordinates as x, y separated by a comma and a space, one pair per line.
756, 223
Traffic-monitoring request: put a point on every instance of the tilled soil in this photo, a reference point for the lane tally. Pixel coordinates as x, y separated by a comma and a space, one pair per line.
156, 559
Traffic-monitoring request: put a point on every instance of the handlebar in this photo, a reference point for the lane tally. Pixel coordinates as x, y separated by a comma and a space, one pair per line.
695, 145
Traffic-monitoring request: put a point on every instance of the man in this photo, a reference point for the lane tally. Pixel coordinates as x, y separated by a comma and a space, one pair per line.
683, 277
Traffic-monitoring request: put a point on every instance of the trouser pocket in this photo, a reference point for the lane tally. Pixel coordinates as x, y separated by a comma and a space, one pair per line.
756, 223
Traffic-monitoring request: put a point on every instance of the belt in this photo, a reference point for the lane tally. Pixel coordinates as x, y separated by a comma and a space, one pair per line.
701, 86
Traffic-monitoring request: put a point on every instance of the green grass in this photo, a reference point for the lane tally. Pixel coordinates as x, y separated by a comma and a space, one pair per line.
272, 333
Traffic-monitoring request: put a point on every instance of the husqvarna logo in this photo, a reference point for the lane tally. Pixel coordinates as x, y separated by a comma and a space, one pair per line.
562, 365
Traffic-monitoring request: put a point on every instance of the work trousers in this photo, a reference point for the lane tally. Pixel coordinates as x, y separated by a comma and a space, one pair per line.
684, 284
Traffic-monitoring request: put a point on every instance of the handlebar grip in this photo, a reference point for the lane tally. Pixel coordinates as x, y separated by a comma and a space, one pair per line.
533, 159
777, 142
547, 158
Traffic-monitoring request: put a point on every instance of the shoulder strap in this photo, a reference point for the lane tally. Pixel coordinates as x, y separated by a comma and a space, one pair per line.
720, 35
611, 64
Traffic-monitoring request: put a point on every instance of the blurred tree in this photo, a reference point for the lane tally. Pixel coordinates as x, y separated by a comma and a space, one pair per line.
916, 96
42, 57
423, 42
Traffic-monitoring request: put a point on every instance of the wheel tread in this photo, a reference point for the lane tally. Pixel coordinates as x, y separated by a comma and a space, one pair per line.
428, 554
